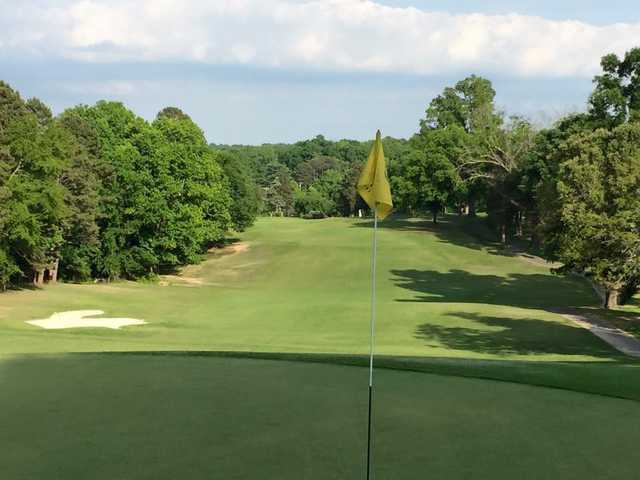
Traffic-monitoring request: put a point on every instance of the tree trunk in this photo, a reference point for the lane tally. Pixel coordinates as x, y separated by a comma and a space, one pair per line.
471, 209
611, 297
435, 216
503, 234
520, 221
38, 278
53, 271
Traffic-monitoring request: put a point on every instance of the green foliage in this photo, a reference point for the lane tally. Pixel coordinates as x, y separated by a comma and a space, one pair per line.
455, 124
332, 168
469, 105
33, 156
40, 110
172, 112
244, 192
166, 196
8, 269
616, 97
424, 181
81, 180
599, 206
277, 192
310, 200
100, 192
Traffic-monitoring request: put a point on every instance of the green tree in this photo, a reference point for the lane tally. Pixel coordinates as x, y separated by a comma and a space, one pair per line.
163, 197
598, 189
310, 202
424, 181
172, 112
309, 171
40, 110
616, 97
244, 191
469, 105
278, 192
459, 115
81, 180
499, 155
33, 209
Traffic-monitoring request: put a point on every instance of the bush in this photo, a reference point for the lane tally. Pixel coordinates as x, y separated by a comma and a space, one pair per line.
310, 200
314, 215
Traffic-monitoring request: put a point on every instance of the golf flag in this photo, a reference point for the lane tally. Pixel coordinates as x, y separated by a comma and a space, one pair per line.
374, 189
373, 185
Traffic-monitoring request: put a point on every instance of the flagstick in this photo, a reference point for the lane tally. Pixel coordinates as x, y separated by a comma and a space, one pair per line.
373, 329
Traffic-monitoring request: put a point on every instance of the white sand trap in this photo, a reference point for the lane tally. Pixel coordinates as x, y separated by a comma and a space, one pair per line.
83, 318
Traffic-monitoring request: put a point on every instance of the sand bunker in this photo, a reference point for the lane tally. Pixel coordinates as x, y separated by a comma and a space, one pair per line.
83, 318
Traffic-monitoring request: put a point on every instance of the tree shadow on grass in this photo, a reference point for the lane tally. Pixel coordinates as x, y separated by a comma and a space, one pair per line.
515, 336
517, 290
464, 231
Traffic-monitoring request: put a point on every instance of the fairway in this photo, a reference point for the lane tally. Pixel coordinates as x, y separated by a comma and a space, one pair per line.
479, 374
168, 417
303, 286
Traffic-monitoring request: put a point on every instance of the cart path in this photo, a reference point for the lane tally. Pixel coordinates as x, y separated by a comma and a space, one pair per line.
618, 339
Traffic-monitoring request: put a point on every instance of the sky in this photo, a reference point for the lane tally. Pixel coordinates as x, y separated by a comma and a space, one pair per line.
256, 71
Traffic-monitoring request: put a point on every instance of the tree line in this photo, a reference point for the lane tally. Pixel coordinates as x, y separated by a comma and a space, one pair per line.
572, 190
98, 192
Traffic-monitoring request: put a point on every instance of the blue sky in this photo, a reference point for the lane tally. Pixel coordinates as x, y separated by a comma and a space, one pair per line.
283, 70
596, 12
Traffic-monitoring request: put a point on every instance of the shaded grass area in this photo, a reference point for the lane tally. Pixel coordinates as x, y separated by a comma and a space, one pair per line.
619, 380
626, 317
190, 417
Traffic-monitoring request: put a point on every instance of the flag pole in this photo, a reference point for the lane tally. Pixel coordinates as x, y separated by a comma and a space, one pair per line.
372, 334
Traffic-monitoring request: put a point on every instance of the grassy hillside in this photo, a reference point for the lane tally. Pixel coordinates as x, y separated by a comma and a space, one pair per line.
303, 286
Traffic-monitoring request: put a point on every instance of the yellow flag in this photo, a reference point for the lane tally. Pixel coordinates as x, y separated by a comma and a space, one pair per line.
373, 185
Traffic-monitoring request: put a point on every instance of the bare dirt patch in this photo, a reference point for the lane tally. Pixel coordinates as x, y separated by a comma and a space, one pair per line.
191, 275
239, 247
168, 279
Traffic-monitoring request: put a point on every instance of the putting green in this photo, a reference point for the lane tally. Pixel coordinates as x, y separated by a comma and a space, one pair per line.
167, 417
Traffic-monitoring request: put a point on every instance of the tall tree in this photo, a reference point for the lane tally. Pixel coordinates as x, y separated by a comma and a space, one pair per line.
461, 113
616, 97
244, 192
81, 180
498, 154
32, 158
599, 202
424, 181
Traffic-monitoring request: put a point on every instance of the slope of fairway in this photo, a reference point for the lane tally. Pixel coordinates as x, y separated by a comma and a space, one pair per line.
303, 286
168, 417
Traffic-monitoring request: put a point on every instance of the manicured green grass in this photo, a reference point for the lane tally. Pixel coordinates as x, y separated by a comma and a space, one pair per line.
254, 369
166, 417
303, 286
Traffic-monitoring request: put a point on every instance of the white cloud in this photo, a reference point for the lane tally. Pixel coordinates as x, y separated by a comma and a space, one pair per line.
108, 88
335, 35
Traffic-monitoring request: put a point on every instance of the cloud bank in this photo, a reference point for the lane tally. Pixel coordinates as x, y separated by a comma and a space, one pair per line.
325, 35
